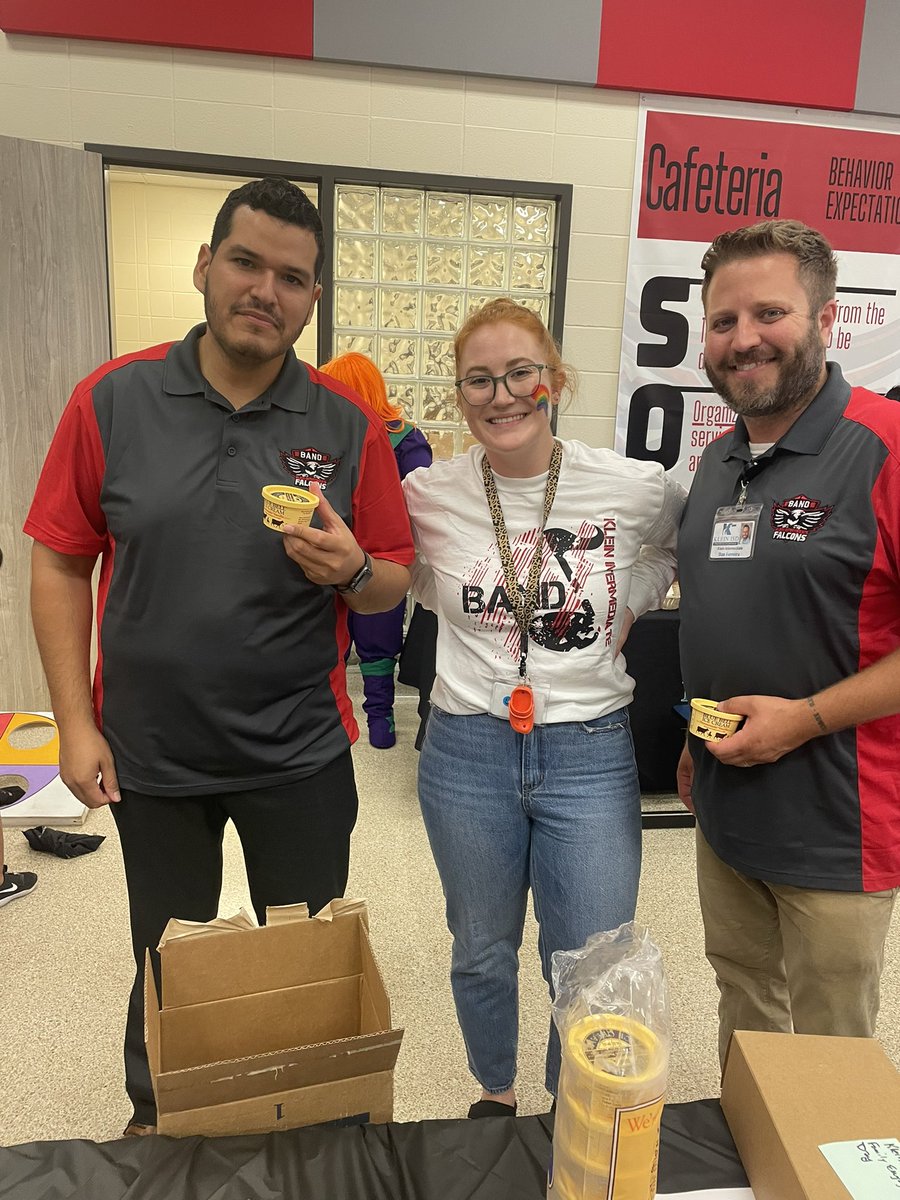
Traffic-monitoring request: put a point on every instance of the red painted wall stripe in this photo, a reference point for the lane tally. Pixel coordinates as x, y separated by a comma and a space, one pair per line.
282, 30
803, 52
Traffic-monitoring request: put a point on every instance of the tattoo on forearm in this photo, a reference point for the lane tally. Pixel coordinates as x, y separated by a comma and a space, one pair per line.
816, 714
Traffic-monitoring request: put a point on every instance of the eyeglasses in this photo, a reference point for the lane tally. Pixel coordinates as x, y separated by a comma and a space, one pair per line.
520, 381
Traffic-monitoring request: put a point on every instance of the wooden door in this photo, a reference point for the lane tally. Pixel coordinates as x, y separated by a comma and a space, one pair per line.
54, 329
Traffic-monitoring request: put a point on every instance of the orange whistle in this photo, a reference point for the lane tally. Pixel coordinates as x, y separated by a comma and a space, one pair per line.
521, 708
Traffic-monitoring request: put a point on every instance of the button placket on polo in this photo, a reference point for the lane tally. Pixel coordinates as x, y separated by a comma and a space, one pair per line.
231, 450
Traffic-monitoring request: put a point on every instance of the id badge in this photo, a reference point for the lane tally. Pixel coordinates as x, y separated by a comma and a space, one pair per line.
734, 531
502, 689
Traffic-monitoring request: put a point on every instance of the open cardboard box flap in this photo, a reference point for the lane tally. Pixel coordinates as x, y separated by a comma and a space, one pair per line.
291, 1008
224, 958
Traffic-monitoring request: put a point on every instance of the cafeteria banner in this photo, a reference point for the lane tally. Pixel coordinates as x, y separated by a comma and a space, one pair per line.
699, 173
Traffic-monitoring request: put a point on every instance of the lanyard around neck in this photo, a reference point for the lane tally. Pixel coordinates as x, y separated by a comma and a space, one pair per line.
749, 472
523, 599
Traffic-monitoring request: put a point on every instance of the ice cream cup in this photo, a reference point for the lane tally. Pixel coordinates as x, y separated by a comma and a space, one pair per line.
284, 505
709, 723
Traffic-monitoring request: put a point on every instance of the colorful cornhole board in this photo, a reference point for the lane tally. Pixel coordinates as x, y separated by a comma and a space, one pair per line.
47, 800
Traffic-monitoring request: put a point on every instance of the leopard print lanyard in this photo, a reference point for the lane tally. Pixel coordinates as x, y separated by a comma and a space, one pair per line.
523, 599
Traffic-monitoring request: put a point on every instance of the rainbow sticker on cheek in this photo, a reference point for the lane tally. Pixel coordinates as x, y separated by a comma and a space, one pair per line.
541, 398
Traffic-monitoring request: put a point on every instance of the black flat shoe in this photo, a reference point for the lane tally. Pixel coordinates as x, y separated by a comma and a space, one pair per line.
491, 1108
136, 1129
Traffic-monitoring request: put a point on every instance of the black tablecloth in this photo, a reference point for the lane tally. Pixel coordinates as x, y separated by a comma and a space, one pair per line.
493, 1159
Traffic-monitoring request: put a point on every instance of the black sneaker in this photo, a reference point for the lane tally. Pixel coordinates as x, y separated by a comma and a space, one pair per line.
14, 886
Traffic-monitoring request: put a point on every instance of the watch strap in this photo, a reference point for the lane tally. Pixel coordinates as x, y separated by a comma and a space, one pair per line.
362, 576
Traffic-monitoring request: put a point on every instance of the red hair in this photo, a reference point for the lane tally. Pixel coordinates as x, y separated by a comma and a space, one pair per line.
360, 373
507, 311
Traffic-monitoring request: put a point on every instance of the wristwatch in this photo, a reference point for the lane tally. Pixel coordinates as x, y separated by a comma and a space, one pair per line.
359, 580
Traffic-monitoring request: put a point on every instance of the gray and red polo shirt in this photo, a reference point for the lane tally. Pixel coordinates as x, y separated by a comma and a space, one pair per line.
221, 667
818, 601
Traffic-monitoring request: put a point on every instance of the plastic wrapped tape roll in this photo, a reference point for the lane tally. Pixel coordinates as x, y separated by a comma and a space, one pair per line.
606, 1136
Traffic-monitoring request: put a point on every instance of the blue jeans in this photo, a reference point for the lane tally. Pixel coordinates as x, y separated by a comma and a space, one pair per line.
557, 810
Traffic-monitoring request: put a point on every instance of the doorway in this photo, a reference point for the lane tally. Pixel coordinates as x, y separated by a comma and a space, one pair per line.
157, 222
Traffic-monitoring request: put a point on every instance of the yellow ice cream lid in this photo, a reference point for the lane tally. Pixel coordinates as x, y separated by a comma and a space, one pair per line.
282, 493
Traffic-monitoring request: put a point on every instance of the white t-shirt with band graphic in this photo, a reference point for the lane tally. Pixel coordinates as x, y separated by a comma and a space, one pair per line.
608, 544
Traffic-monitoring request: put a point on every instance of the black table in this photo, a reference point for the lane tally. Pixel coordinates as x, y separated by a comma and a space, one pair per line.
494, 1159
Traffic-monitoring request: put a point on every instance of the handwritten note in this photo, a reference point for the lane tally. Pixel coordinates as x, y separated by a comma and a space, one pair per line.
869, 1170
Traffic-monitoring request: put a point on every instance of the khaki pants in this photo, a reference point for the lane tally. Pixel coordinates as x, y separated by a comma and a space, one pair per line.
788, 958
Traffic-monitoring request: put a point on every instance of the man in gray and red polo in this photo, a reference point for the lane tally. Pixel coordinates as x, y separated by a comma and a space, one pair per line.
219, 691
796, 626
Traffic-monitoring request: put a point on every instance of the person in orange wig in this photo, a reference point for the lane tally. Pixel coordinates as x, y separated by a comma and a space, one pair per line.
379, 637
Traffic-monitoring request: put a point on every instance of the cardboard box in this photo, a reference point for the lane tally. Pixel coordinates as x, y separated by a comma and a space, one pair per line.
784, 1095
270, 1028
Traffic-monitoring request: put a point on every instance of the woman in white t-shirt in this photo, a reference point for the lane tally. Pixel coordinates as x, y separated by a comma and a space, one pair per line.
527, 776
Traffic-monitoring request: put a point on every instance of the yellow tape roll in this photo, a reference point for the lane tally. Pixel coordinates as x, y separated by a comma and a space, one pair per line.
608, 1109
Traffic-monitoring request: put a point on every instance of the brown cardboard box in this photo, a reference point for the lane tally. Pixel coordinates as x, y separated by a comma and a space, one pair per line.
270, 1028
784, 1095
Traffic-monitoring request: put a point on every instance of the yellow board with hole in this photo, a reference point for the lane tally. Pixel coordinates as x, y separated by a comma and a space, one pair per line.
45, 755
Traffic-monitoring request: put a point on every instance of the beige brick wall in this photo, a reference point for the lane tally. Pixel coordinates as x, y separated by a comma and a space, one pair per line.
72, 92
155, 233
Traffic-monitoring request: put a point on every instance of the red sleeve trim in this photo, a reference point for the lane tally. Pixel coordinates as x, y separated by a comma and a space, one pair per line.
879, 635
878, 414
65, 513
380, 520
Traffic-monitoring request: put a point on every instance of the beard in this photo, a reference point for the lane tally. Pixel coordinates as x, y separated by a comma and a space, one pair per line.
798, 380
247, 349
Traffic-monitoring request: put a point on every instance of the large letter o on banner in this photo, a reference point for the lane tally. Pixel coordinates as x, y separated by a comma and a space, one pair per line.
643, 401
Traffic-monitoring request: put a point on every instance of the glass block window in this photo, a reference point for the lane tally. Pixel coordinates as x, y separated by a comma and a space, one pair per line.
409, 266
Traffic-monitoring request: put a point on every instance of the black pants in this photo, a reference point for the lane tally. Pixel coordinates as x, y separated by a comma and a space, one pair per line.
417, 662
296, 844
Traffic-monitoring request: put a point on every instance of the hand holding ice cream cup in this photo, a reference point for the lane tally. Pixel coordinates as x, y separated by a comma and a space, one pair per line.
284, 505
710, 723
327, 552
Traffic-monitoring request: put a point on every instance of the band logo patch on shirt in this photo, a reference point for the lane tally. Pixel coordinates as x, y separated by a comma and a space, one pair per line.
794, 519
309, 466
